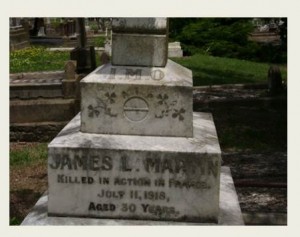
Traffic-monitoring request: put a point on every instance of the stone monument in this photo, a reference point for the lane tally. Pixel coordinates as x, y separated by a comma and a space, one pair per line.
137, 151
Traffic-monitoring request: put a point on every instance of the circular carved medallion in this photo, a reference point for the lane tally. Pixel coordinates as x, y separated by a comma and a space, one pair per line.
136, 109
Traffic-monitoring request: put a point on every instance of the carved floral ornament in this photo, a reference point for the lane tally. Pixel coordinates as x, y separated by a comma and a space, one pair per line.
136, 108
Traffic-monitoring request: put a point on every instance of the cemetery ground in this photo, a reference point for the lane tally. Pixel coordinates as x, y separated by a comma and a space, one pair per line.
252, 132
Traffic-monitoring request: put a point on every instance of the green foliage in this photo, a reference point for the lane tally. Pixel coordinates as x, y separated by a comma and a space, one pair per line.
217, 36
15, 221
37, 59
177, 24
28, 154
209, 70
93, 26
265, 130
99, 41
55, 24
224, 37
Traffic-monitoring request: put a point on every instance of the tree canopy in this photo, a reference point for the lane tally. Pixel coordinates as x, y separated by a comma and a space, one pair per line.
224, 37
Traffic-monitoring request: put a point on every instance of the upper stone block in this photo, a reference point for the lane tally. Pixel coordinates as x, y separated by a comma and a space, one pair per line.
138, 101
140, 42
140, 25
139, 50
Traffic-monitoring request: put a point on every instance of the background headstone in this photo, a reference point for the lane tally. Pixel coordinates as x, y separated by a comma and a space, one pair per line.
70, 69
85, 56
274, 80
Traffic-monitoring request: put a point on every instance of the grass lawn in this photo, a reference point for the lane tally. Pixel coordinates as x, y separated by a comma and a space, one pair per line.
37, 59
209, 70
28, 178
27, 154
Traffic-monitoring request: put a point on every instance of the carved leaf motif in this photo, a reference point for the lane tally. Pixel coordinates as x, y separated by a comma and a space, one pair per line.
111, 97
174, 102
92, 111
150, 95
124, 94
91, 114
178, 113
96, 112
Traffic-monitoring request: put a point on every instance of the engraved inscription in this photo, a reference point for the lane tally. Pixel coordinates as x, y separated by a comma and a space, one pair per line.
136, 109
129, 186
136, 74
157, 74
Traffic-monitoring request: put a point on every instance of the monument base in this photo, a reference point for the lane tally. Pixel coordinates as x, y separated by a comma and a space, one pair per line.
230, 212
136, 177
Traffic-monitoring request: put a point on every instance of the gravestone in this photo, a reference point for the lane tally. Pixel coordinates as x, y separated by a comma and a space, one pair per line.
274, 80
175, 50
70, 69
137, 150
85, 56
70, 84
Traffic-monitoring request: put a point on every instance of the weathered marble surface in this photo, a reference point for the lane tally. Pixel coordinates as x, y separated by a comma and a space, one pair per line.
230, 212
174, 50
139, 50
149, 101
140, 42
135, 166
143, 25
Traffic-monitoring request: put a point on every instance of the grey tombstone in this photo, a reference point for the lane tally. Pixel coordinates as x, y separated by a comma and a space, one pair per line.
41, 32
70, 85
175, 50
85, 56
70, 69
137, 150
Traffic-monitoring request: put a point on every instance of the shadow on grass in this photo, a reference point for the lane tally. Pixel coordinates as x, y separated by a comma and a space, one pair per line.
255, 127
19, 200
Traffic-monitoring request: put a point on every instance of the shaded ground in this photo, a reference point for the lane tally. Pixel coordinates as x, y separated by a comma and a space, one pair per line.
246, 119
27, 184
252, 130
260, 180
253, 139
